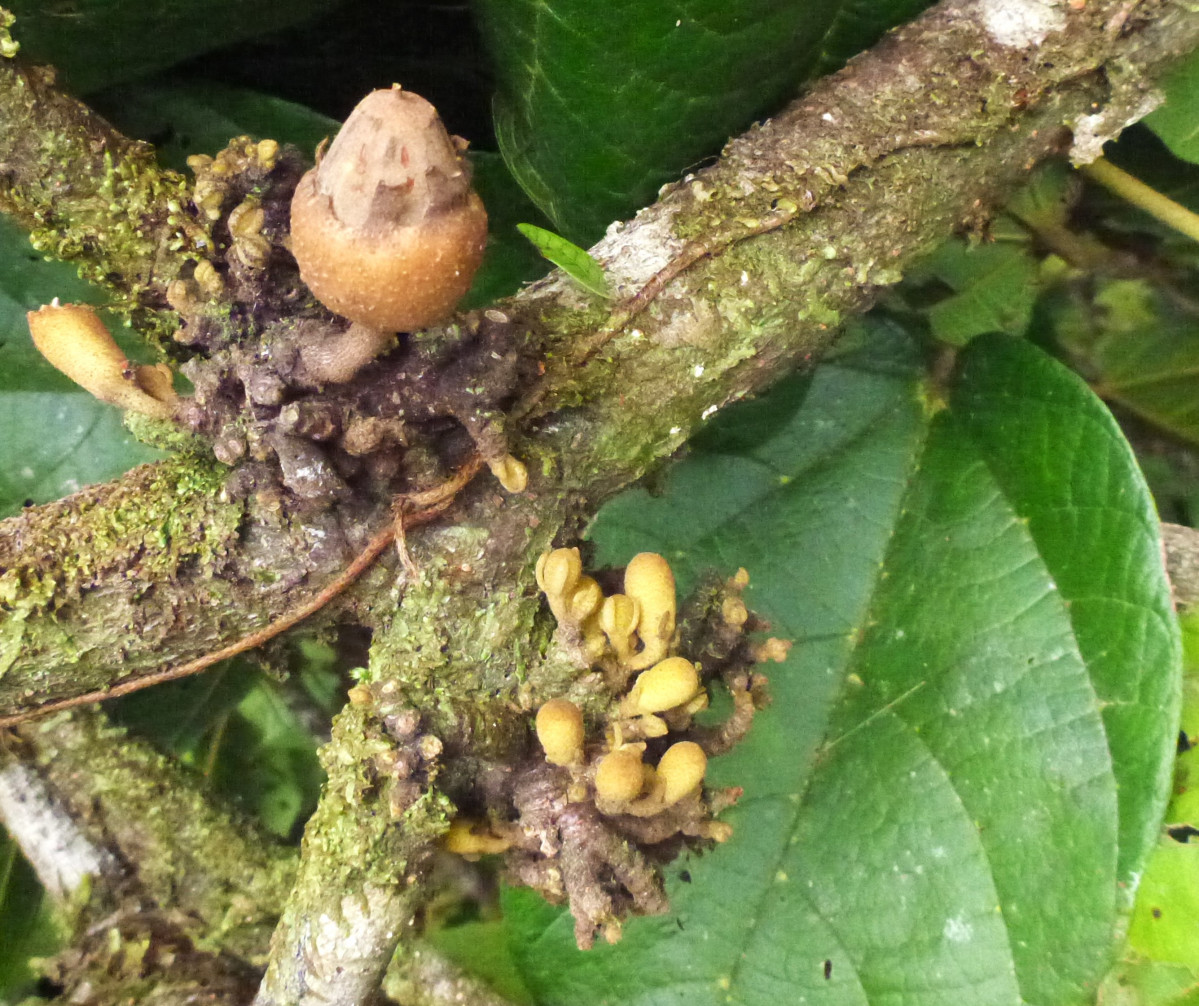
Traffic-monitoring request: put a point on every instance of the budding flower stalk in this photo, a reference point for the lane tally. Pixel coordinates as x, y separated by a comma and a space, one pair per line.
386, 228
74, 339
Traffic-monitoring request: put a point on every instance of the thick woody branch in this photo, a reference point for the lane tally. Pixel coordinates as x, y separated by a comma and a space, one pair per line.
1182, 563
126, 839
88, 194
159, 568
150, 822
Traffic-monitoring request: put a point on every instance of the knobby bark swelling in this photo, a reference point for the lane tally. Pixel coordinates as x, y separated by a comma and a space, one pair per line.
734, 277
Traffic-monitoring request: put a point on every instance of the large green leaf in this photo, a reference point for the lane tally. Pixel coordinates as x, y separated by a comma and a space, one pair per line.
94, 43
1177, 120
968, 754
600, 102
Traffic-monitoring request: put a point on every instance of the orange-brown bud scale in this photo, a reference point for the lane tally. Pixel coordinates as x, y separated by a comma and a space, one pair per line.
386, 228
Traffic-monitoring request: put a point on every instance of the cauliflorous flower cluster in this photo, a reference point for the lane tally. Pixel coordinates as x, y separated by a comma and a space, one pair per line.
622, 788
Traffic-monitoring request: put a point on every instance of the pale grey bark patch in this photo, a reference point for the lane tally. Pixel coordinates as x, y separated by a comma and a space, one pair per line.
1019, 24
62, 856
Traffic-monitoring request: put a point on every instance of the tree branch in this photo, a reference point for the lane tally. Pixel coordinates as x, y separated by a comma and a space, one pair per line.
127, 840
159, 567
88, 194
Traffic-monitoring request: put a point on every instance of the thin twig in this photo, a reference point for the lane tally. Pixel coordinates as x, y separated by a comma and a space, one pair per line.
1144, 197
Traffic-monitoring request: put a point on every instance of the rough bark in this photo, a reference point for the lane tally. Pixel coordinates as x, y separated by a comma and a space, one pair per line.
736, 276
1182, 563
88, 194
134, 850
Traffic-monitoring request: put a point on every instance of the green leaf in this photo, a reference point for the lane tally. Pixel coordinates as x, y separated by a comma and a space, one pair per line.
27, 927
200, 117
1177, 120
1140, 349
482, 948
56, 443
268, 761
236, 726
994, 288
185, 717
94, 43
1150, 983
600, 103
968, 754
1163, 926
576, 262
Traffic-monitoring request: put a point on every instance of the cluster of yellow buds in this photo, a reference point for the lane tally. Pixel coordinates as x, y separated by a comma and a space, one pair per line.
625, 633
214, 174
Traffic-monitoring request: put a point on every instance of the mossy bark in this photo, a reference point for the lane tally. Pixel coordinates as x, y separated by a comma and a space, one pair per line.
168, 866
159, 567
90, 195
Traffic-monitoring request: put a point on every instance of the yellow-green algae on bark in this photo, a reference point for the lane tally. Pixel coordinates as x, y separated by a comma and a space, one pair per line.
88, 194
142, 529
228, 877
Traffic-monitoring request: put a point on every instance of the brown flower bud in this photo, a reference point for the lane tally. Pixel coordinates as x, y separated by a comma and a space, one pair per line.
74, 339
386, 228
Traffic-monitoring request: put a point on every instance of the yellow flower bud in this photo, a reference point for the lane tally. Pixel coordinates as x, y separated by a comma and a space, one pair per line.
585, 599
559, 727
680, 770
668, 684
466, 841
510, 473
557, 574
649, 581
620, 776
618, 618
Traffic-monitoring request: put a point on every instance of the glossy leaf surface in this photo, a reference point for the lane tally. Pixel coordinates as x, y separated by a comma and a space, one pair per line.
599, 103
94, 43
969, 749
1177, 120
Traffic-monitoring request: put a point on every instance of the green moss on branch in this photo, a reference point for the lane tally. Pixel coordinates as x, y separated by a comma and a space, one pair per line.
89, 195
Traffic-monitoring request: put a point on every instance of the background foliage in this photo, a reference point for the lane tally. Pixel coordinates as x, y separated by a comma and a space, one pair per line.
965, 769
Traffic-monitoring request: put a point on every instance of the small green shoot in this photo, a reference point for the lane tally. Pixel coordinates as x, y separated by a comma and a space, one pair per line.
569, 257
